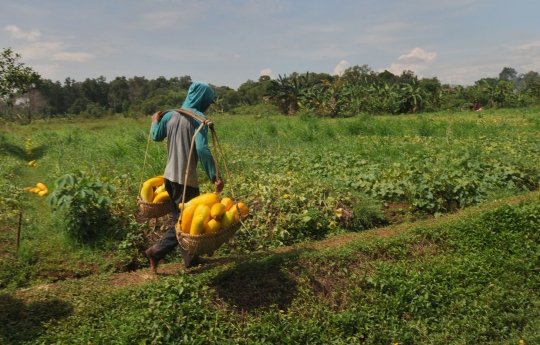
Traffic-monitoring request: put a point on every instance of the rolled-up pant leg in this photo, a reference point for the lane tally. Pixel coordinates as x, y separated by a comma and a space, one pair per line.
169, 240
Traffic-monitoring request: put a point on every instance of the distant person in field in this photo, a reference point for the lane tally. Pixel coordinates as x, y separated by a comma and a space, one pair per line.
179, 129
476, 106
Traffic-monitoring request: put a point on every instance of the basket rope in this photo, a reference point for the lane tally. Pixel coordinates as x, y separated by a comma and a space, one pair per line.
150, 209
145, 155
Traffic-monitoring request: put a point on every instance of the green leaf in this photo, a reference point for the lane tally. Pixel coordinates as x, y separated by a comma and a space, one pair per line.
70, 179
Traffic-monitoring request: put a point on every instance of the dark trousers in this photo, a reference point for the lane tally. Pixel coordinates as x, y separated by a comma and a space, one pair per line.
169, 241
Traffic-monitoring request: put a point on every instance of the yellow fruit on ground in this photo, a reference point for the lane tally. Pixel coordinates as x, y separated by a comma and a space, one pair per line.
187, 217
227, 202
162, 197
227, 219
27, 188
35, 190
41, 186
159, 189
43, 192
31, 163
155, 181
197, 225
243, 210
147, 194
212, 226
217, 211
208, 199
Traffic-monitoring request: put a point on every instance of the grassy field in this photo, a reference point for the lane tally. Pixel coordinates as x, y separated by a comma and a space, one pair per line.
467, 279
471, 280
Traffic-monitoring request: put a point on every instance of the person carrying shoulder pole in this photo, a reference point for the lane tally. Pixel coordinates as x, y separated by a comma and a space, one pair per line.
179, 129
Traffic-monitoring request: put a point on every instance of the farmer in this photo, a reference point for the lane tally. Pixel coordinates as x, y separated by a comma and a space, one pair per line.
179, 129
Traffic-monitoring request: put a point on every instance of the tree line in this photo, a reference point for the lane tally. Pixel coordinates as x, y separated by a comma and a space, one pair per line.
24, 95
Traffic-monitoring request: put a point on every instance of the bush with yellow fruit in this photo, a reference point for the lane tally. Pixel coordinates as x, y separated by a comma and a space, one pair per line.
153, 190
207, 214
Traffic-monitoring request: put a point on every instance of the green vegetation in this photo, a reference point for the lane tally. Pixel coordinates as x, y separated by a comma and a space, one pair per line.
462, 281
305, 179
15, 77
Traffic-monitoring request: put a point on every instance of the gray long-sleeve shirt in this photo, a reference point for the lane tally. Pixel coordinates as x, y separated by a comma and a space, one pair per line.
179, 129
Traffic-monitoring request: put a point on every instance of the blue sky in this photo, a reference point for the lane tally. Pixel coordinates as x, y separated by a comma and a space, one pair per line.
226, 42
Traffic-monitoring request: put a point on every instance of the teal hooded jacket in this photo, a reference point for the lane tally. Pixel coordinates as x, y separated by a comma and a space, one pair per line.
199, 98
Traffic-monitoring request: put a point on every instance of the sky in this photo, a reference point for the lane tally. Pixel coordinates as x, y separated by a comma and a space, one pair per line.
227, 42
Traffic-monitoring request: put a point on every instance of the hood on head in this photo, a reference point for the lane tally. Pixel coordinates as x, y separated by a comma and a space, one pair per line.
200, 96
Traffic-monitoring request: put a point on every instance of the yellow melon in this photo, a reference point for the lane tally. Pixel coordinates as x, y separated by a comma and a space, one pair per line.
212, 226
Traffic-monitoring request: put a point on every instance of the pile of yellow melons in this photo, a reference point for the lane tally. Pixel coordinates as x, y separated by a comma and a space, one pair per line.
153, 190
40, 189
206, 214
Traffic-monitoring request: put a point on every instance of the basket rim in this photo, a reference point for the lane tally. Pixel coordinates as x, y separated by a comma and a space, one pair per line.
204, 235
141, 201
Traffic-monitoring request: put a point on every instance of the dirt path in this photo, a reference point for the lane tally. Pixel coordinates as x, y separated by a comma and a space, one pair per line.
145, 275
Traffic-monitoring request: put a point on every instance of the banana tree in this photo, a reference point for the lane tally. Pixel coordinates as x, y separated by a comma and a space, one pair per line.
285, 91
415, 96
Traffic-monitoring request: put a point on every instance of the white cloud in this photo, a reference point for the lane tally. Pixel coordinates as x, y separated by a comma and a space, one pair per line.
20, 34
419, 53
341, 67
39, 50
398, 68
46, 71
531, 45
268, 72
72, 56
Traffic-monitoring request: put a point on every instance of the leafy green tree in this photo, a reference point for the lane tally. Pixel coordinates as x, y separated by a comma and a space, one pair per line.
530, 77
416, 96
327, 98
53, 94
284, 91
252, 92
96, 90
185, 82
406, 77
358, 74
387, 77
138, 88
489, 81
15, 77
118, 92
508, 74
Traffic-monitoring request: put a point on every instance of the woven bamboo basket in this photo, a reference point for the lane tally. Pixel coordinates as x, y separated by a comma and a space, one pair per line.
207, 243
154, 210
